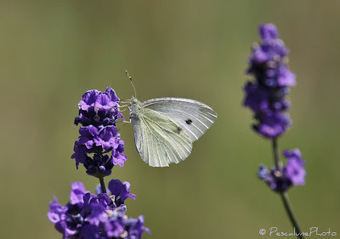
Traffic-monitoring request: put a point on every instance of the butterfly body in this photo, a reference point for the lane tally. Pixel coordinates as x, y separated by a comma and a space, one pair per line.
165, 128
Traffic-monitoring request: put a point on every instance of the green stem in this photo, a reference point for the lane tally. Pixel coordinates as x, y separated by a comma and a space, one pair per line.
290, 212
284, 195
277, 162
102, 184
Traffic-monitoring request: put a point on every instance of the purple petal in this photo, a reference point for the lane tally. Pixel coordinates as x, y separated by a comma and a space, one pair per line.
77, 192
268, 32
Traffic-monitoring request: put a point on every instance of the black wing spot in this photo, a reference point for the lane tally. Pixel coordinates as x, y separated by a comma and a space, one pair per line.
179, 130
188, 121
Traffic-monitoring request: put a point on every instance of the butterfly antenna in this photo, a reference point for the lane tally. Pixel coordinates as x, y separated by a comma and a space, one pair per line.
133, 86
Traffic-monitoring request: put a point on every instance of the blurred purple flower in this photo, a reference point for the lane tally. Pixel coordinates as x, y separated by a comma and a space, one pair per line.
266, 95
295, 167
272, 123
292, 174
90, 216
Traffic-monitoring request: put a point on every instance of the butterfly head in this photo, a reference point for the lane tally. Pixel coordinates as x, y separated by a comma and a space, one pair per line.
135, 107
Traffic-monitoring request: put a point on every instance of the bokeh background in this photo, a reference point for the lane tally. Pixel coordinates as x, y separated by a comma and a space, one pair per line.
51, 52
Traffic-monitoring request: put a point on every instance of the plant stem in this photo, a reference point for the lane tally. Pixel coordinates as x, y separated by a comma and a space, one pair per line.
290, 212
102, 184
284, 195
277, 162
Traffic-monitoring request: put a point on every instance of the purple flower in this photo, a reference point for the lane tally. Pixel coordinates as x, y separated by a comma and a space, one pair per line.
120, 190
118, 158
77, 192
266, 96
98, 108
268, 32
293, 173
106, 138
98, 113
99, 138
67, 219
256, 97
271, 124
80, 154
56, 211
89, 216
99, 147
294, 168
136, 227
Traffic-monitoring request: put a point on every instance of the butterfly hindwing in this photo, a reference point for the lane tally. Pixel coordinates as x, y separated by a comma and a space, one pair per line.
159, 140
194, 117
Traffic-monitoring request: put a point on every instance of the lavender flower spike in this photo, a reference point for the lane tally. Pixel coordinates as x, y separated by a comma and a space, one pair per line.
99, 146
265, 96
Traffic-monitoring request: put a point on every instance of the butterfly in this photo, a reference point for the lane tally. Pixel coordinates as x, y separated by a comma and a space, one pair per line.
165, 128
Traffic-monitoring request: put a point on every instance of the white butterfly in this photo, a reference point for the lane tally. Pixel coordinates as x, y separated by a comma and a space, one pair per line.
165, 128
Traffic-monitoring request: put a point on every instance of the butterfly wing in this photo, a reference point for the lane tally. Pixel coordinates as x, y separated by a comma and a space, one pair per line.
194, 117
158, 139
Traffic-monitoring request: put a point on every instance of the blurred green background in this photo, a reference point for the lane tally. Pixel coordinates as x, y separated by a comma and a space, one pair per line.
51, 52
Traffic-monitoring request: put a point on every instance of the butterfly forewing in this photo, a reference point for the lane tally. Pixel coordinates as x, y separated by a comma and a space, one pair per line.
159, 140
192, 116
